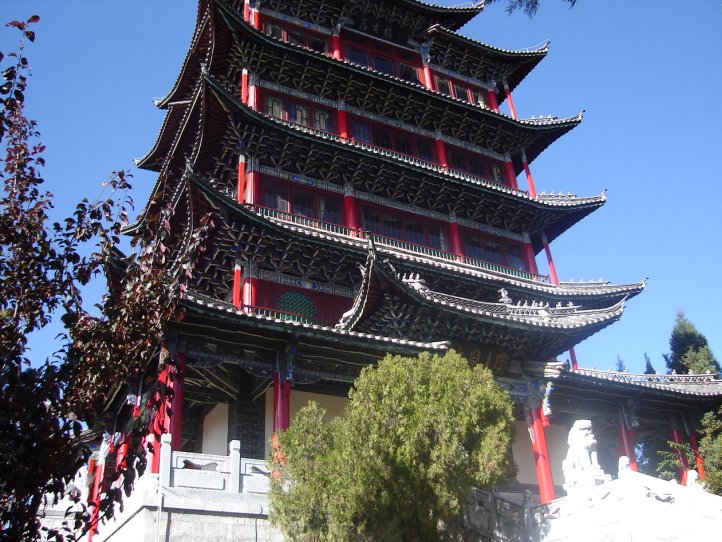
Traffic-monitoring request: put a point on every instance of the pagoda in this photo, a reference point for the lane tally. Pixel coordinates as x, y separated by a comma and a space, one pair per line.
372, 190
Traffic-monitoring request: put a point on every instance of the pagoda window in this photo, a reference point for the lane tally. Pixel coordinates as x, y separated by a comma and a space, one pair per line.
494, 250
408, 73
382, 57
404, 227
424, 150
299, 113
361, 131
288, 198
296, 36
384, 137
479, 97
357, 56
443, 85
322, 120
275, 107
476, 165
383, 65
497, 173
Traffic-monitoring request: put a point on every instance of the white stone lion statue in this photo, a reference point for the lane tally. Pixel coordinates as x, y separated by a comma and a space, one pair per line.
581, 468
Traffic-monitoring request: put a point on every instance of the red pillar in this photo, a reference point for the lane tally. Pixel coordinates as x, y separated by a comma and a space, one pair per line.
625, 445
573, 355
491, 99
248, 296
441, 152
552, 269
350, 215
457, 246
247, 11
510, 174
251, 187
176, 418
342, 122
241, 183
94, 497
541, 457
252, 94
529, 179
428, 78
697, 457
677, 438
244, 86
281, 403
336, 46
161, 423
237, 286
256, 18
509, 100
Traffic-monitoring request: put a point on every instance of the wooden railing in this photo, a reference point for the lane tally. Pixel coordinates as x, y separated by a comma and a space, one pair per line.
397, 243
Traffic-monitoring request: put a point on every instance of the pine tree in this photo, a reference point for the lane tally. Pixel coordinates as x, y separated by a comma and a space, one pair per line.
620, 367
648, 368
689, 351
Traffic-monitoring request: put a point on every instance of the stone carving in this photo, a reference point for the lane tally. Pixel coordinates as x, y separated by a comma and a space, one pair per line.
581, 468
504, 296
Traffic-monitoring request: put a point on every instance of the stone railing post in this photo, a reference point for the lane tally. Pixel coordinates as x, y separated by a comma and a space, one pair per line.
166, 460
234, 458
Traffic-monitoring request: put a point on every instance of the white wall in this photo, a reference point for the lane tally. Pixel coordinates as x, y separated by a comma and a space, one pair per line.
334, 406
215, 430
556, 437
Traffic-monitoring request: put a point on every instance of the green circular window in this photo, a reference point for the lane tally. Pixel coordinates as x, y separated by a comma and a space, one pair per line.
298, 304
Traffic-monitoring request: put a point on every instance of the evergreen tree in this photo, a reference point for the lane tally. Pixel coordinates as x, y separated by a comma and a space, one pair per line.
648, 367
620, 366
417, 435
529, 7
689, 351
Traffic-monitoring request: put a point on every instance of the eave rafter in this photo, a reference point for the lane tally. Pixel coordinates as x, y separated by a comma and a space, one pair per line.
391, 305
480, 61
281, 145
280, 63
389, 19
337, 258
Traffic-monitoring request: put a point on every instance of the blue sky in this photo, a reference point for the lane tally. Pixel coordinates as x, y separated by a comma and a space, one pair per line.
646, 72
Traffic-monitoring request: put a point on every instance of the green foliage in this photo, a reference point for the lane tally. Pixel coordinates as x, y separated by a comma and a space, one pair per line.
689, 351
417, 435
620, 366
670, 463
648, 367
529, 7
710, 448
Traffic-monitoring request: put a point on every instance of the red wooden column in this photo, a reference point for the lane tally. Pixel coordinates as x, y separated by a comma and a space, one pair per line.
342, 120
251, 186
529, 179
237, 285
440, 147
350, 213
249, 287
244, 86
428, 77
241, 181
96, 468
697, 457
176, 414
625, 444
247, 10
510, 174
252, 100
161, 421
491, 100
509, 100
676, 437
541, 456
336, 43
550, 261
455, 240
256, 15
